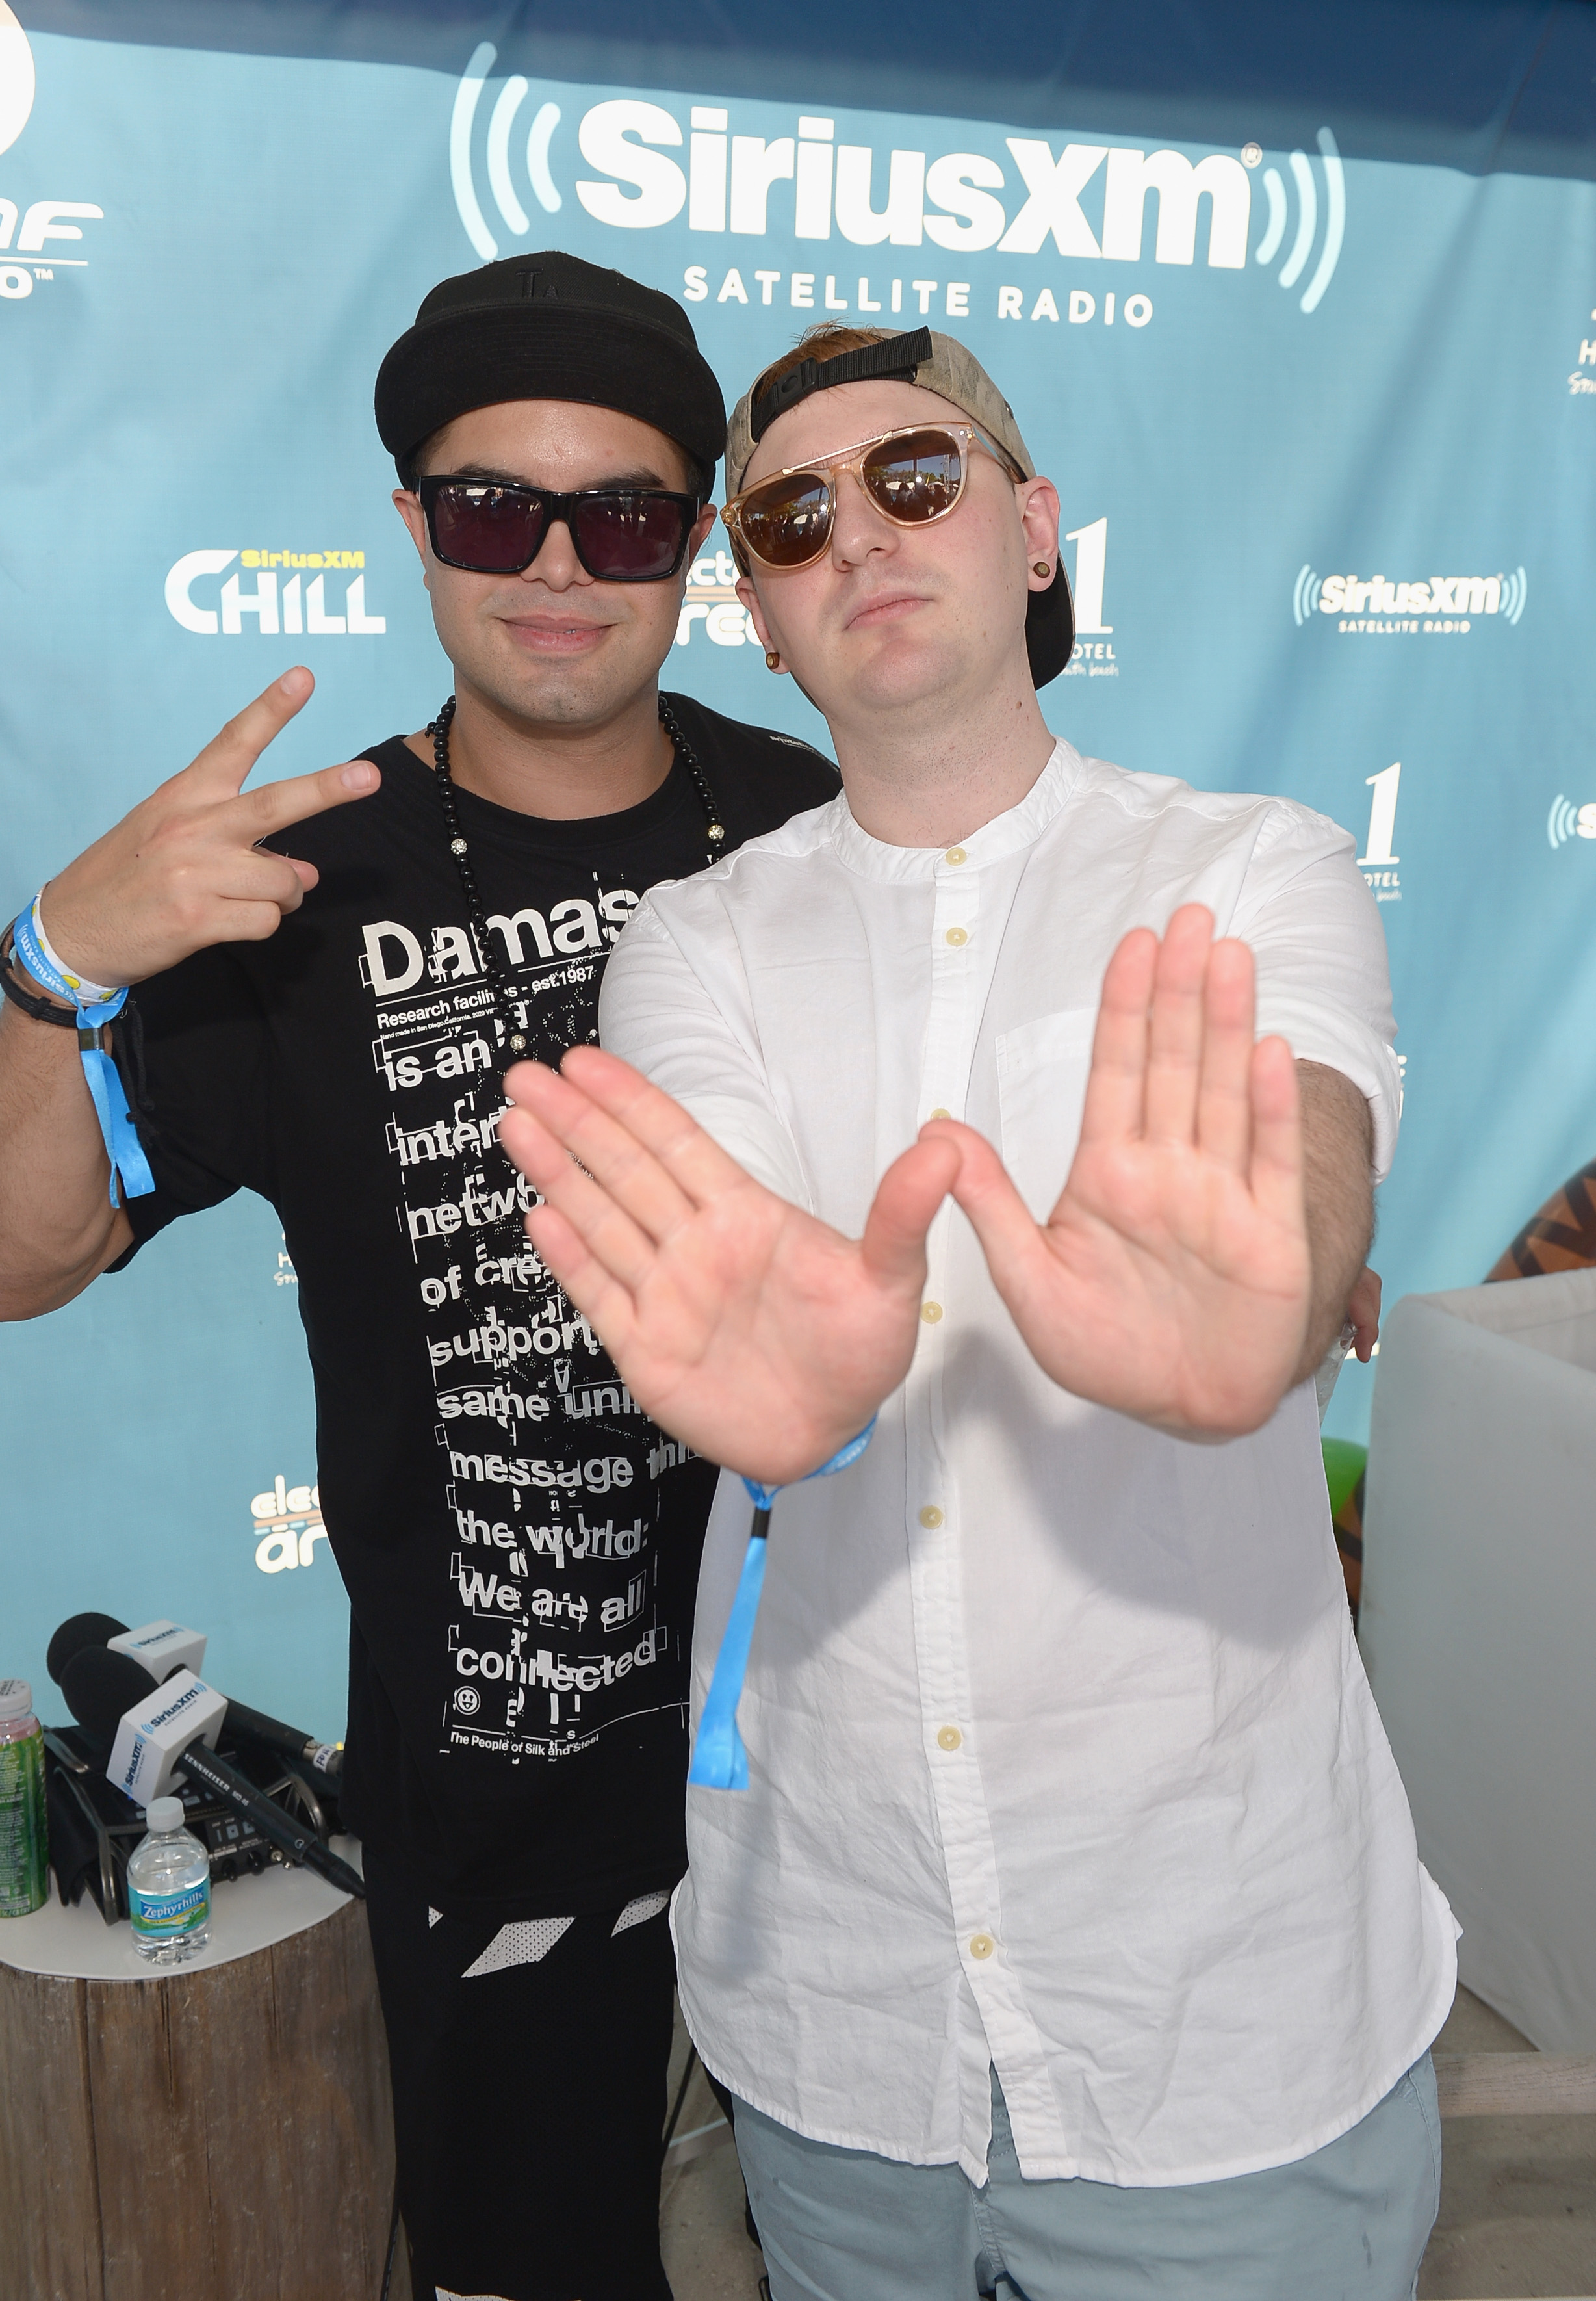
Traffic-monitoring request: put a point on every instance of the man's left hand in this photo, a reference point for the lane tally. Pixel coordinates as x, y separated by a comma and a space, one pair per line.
1173, 1279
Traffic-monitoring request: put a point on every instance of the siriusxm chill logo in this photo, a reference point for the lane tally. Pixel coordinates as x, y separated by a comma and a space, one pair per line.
30, 231
1442, 606
289, 594
637, 164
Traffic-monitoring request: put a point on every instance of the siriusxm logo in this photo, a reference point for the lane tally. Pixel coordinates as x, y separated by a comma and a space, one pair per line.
1087, 202
1566, 822
1440, 605
45, 219
16, 79
185, 1701
1295, 261
299, 607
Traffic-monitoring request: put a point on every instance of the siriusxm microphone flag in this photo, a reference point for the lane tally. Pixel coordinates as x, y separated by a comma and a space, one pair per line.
1298, 309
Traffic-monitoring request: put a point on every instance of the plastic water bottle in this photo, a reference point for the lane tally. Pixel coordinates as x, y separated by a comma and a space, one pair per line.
24, 1830
169, 1888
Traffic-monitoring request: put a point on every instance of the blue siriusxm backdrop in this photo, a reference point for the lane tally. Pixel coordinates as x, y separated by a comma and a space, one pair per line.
1295, 306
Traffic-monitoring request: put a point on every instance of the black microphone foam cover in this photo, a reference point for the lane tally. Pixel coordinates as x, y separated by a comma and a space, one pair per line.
81, 1630
101, 1687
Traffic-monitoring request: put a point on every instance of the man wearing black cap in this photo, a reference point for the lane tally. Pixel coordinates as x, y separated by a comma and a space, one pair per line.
329, 996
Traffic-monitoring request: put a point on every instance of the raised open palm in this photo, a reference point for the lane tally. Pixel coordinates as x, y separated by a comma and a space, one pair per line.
762, 1337
1173, 1279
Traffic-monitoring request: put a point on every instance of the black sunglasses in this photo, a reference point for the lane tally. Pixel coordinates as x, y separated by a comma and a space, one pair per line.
621, 535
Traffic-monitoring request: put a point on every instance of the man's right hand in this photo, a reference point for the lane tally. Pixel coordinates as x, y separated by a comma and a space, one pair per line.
762, 1337
183, 870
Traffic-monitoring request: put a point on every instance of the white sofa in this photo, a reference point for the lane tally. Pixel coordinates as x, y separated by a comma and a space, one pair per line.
1478, 1626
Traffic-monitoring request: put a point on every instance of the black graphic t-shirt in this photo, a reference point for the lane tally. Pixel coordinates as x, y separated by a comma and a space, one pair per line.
520, 1544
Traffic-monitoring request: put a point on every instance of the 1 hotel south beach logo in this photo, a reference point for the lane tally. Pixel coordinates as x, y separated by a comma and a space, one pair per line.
1435, 606
32, 232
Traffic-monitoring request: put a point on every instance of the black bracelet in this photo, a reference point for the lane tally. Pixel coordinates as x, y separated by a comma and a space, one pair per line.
41, 1010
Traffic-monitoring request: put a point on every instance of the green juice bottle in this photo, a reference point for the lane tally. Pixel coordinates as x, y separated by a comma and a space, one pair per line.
24, 1830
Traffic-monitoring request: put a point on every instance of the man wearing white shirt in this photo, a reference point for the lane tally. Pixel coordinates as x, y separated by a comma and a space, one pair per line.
1070, 1940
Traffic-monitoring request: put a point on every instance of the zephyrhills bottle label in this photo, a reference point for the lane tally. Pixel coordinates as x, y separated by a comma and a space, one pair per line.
24, 1882
168, 1916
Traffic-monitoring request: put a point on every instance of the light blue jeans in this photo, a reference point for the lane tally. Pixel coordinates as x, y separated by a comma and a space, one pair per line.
1348, 2223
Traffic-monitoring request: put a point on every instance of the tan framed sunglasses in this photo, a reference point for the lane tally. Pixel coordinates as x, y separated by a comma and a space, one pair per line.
914, 477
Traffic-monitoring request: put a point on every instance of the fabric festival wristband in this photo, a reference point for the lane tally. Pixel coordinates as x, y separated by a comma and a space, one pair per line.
94, 1006
720, 1761
79, 988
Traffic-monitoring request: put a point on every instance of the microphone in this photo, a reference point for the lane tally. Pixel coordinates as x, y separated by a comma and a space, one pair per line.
285, 1741
163, 1647
80, 1630
156, 1735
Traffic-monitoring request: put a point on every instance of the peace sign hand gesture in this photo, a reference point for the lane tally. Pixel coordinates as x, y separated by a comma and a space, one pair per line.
183, 870
1173, 1280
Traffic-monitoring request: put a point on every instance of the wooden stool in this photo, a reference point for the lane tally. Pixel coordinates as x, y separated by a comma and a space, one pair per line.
219, 2131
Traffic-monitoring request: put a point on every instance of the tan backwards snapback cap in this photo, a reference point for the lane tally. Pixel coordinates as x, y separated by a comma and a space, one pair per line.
939, 364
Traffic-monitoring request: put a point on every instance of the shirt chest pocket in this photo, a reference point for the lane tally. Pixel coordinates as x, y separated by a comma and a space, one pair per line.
1041, 1089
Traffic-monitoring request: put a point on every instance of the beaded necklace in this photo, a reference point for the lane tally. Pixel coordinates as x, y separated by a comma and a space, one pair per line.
511, 1026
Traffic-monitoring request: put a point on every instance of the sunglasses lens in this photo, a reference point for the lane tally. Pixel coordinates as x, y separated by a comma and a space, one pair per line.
915, 477
487, 529
788, 521
629, 538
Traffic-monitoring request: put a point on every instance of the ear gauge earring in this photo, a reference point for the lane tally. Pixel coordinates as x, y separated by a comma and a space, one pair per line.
1042, 567
773, 661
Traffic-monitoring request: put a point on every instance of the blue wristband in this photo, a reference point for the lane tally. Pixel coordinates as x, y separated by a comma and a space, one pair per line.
122, 1146
720, 1761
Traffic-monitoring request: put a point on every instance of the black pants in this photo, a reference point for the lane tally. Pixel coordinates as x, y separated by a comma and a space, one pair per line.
529, 2097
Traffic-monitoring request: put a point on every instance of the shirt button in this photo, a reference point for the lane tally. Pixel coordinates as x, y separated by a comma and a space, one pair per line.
982, 1945
931, 1516
956, 856
956, 937
940, 1113
930, 1312
949, 1738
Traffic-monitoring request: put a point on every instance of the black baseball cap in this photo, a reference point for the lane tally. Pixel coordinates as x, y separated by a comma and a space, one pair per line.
550, 327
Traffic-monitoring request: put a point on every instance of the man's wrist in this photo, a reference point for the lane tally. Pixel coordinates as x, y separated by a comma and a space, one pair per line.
34, 943
32, 994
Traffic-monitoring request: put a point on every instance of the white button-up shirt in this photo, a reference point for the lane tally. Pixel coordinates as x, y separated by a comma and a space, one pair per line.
1062, 1759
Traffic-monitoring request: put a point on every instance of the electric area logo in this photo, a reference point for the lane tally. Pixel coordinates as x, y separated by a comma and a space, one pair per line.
33, 228
287, 1525
805, 186
300, 607
1443, 606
